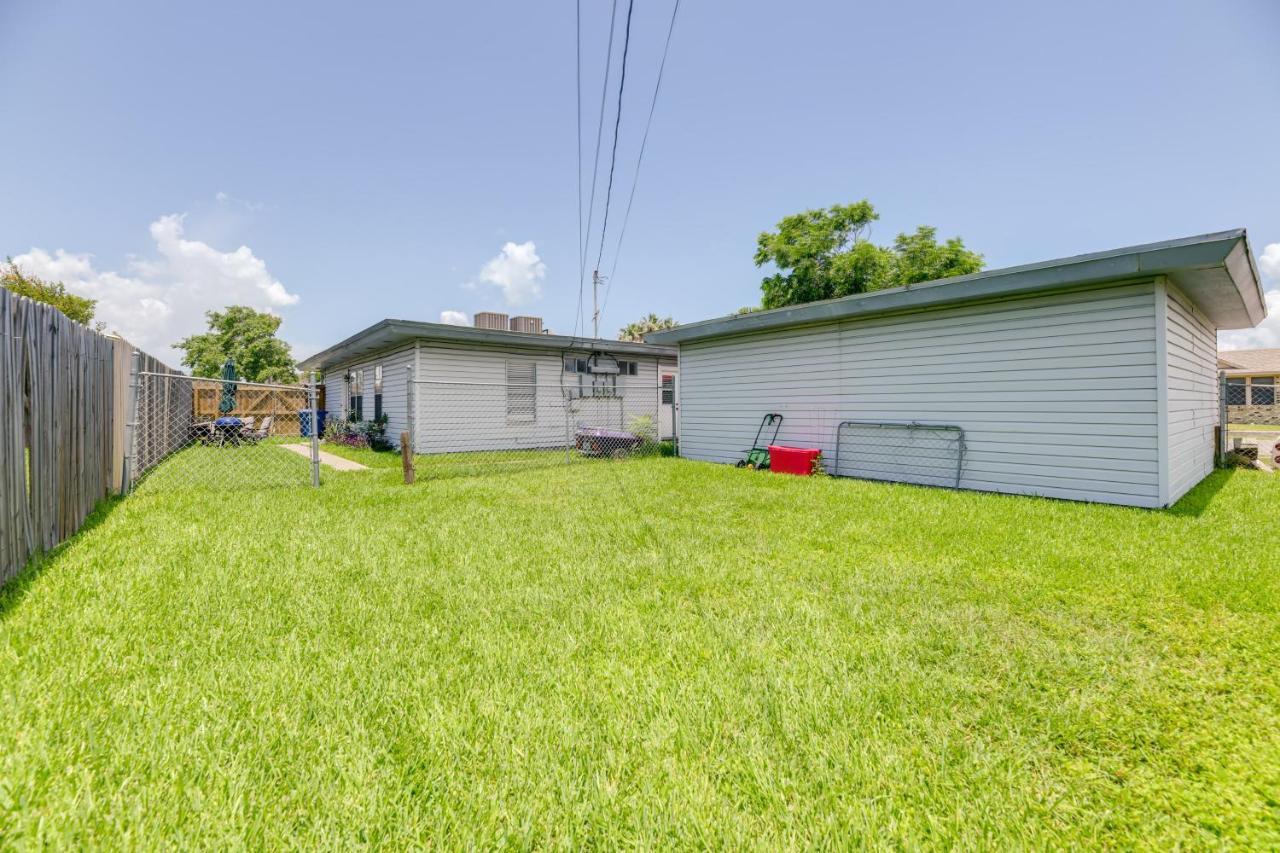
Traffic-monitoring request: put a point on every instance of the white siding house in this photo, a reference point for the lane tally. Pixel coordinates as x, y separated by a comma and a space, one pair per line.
1090, 378
457, 388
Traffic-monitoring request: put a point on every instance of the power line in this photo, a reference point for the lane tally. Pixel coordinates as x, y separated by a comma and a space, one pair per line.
582, 267
617, 121
626, 217
591, 206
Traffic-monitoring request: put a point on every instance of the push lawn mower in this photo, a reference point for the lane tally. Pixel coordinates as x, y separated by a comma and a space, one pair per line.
758, 455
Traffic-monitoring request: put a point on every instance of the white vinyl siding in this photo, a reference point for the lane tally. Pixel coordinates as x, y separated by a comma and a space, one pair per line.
1192, 358
1056, 393
462, 398
395, 389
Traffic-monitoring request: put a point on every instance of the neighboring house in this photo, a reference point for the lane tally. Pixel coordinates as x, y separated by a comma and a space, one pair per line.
1091, 377
463, 388
1252, 376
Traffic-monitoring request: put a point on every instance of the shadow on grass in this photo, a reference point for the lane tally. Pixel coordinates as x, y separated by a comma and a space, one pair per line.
1195, 502
14, 590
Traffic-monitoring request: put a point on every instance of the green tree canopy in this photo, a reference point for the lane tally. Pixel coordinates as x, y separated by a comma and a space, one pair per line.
825, 254
246, 336
78, 308
650, 323
919, 257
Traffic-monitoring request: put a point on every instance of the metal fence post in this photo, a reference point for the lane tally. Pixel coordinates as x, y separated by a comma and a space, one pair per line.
315, 432
130, 426
675, 407
1223, 441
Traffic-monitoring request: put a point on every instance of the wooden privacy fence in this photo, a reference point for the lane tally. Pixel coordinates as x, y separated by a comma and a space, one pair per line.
120, 401
56, 422
282, 403
154, 403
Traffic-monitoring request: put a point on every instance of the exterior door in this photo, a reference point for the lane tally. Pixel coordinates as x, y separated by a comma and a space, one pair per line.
667, 409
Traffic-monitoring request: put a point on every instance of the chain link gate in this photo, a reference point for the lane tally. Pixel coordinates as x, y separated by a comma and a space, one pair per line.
198, 433
902, 452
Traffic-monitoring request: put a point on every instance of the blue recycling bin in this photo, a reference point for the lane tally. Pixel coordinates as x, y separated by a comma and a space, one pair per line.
304, 420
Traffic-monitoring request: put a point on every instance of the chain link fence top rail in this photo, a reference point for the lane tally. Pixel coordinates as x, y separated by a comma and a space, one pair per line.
470, 427
214, 434
905, 452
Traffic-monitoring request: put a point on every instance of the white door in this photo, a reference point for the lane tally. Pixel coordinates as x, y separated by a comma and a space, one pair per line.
667, 408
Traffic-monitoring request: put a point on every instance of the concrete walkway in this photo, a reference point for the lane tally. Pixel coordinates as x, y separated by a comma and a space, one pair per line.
337, 463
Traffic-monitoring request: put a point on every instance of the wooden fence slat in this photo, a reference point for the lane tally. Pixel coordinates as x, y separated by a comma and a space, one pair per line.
59, 419
63, 392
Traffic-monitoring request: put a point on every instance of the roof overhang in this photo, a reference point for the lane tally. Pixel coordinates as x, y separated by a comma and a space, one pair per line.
1242, 372
390, 334
1216, 271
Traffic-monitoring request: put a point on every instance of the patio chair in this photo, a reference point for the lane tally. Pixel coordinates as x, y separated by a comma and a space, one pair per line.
253, 436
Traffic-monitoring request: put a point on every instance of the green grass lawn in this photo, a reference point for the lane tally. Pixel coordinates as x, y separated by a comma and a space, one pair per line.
469, 464
646, 653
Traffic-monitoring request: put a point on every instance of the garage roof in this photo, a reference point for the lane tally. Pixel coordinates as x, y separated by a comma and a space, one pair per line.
388, 334
1216, 271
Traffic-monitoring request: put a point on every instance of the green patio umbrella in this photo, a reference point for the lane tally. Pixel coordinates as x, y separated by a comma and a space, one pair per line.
227, 403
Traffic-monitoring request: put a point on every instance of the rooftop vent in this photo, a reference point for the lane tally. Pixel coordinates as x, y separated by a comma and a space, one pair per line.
491, 320
527, 325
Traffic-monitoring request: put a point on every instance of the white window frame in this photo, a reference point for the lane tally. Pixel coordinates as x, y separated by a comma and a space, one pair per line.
355, 391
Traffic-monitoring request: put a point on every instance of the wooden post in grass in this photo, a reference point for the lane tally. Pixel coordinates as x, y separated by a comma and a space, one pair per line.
406, 458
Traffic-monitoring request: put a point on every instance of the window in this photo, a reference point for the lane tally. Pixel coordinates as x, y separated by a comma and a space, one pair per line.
522, 391
355, 395
668, 389
1263, 390
377, 393
1237, 394
573, 364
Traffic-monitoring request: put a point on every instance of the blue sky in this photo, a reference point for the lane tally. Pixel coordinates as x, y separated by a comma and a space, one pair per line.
341, 163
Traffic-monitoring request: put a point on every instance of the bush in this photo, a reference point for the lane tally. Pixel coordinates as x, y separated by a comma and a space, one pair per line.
370, 434
643, 428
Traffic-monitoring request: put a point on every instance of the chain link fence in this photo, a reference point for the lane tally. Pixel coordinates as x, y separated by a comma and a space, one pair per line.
463, 428
925, 454
194, 433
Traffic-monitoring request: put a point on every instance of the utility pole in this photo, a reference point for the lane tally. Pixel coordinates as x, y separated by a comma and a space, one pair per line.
595, 304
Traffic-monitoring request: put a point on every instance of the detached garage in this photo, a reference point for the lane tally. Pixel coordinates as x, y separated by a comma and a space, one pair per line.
1089, 378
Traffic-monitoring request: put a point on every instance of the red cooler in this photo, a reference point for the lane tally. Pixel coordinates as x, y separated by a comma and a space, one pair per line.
792, 460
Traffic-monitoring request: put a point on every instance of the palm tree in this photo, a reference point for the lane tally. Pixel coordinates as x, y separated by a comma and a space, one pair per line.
649, 323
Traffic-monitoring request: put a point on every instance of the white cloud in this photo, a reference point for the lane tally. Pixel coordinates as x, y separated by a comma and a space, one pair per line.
160, 300
225, 199
1266, 335
517, 271
454, 318
1269, 262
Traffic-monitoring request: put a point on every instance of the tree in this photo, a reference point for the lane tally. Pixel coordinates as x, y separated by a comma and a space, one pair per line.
248, 338
55, 293
824, 254
649, 323
919, 257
